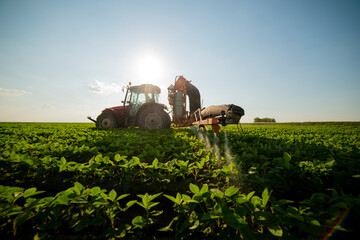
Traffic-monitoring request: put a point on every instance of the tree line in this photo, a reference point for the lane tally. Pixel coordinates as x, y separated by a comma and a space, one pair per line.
257, 119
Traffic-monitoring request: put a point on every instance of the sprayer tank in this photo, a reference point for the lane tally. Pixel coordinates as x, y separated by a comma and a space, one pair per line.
179, 104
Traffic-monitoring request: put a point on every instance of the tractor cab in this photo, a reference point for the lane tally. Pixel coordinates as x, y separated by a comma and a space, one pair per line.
139, 95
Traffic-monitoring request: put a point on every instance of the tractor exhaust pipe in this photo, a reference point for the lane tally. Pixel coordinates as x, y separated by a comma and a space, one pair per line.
91, 119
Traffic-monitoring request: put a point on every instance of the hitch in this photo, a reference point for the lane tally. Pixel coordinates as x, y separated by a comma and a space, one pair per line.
91, 119
214, 122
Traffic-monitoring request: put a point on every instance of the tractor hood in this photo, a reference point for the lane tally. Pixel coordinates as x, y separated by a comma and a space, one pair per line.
117, 108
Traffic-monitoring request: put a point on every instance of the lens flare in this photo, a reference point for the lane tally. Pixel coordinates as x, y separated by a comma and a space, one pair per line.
149, 67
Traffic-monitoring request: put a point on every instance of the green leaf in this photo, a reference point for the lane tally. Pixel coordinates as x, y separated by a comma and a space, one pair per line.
62, 199
217, 193
178, 198
98, 158
62, 161
62, 168
186, 197
117, 157
136, 160
155, 163
231, 191
200, 164
240, 200
29, 162
129, 204
287, 159
196, 224
112, 195
260, 215
276, 230
250, 195
37, 237
79, 187
139, 222
145, 199
194, 188
156, 213
284, 202
314, 222
265, 196
152, 197
204, 189
29, 192
122, 196
171, 198
142, 205
95, 191
255, 200
153, 204
6, 153
330, 163
46, 200
234, 221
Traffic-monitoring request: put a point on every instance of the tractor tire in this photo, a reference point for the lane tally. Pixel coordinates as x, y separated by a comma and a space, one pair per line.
167, 120
153, 118
106, 120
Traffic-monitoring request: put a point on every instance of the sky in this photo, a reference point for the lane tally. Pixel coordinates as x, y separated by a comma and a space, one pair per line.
295, 61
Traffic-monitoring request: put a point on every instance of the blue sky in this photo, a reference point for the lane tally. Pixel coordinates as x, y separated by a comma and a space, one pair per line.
289, 60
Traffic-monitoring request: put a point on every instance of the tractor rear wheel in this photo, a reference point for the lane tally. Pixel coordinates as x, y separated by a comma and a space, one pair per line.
106, 120
153, 118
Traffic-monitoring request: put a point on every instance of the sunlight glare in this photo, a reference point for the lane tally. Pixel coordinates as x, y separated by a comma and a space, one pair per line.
149, 67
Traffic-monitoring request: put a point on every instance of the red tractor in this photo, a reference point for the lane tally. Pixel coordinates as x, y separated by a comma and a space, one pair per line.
140, 107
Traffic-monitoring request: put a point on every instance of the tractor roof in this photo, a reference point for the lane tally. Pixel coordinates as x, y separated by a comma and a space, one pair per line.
145, 88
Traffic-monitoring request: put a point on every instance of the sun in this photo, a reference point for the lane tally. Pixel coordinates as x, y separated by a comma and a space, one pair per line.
149, 67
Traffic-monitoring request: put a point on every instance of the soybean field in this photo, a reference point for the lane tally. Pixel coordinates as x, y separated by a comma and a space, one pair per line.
279, 181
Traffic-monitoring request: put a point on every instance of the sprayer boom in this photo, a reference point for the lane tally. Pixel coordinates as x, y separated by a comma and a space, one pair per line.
213, 115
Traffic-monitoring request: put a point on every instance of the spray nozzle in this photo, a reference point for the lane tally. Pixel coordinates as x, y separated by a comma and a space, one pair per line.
223, 118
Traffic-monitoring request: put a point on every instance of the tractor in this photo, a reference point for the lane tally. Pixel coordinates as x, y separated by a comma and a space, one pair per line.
140, 108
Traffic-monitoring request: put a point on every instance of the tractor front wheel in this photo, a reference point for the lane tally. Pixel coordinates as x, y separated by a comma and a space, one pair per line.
106, 120
154, 118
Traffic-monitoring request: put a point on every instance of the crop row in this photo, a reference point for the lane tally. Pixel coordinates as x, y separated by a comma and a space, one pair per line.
199, 213
75, 181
